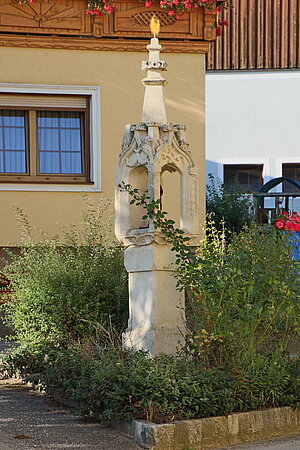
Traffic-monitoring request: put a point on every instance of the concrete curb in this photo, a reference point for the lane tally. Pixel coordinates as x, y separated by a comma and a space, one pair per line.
214, 432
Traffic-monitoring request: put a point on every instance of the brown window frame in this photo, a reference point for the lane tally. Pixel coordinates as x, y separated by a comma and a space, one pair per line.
243, 168
31, 135
287, 187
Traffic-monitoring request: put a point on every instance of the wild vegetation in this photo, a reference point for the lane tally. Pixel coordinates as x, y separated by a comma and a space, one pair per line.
241, 347
231, 210
61, 285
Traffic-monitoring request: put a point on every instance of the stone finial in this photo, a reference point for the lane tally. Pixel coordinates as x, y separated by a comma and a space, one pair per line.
154, 104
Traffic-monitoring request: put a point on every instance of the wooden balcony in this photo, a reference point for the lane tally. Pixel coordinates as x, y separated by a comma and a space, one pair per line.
65, 24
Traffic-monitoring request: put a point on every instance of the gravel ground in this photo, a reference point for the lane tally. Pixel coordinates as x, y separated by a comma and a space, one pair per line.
30, 421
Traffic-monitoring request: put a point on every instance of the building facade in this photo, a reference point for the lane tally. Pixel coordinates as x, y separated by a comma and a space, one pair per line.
69, 82
252, 95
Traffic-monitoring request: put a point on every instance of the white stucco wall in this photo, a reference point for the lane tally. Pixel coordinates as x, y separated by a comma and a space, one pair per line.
252, 118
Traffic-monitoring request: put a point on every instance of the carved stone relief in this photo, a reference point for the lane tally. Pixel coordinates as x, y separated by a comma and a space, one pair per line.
158, 147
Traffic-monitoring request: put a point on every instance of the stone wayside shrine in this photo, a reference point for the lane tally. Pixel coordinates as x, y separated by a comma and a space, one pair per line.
150, 148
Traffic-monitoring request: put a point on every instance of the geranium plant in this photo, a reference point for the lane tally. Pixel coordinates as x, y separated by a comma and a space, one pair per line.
288, 222
175, 7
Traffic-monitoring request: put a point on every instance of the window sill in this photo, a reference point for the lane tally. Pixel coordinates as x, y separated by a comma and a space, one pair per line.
49, 187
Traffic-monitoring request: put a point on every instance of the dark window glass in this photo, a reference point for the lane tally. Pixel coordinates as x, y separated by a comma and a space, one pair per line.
243, 178
60, 142
12, 141
291, 171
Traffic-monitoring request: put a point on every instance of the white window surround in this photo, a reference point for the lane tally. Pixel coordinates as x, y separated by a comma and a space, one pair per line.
94, 93
265, 162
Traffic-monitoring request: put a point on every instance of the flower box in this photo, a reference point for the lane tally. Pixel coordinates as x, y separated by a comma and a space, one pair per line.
132, 19
61, 19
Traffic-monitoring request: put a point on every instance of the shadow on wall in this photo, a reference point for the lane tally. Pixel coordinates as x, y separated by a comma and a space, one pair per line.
213, 168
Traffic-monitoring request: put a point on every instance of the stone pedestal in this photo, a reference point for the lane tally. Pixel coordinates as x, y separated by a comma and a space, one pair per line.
156, 308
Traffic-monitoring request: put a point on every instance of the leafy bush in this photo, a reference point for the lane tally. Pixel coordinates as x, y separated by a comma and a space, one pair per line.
268, 380
114, 385
60, 286
244, 311
229, 207
244, 296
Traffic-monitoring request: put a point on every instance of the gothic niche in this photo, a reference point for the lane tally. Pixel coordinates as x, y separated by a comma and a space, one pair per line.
170, 182
155, 159
138, 178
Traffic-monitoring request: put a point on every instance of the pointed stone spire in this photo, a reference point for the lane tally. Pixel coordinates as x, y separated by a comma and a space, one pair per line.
154, 104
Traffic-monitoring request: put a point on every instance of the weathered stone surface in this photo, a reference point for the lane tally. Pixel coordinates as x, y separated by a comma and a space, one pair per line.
195, 431
214, 432
151, 151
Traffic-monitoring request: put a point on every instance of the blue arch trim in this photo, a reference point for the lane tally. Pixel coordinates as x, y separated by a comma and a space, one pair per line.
273, 183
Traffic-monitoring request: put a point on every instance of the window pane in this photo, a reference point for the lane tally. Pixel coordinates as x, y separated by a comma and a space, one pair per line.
15, 162
46, 119
255, 181
60, 142
50, 162
14, 138
48, 139
13, 118
291, 171
12, 141
243, 178
71, 163
70, 140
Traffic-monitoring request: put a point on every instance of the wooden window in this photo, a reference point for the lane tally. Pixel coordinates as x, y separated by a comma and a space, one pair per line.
291, 171
243, 178
44, 139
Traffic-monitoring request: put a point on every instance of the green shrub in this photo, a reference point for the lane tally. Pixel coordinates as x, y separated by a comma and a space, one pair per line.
244, 311
229, 207
113, 385
61, 286
244, 296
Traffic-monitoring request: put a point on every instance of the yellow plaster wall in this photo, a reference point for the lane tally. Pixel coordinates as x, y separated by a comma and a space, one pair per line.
119, 77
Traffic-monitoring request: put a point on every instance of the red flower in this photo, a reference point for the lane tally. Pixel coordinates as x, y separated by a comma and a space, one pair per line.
289, 222
289, 226
279, 224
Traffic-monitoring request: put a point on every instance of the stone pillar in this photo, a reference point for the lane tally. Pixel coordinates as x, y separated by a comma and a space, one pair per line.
151, 147
156, 308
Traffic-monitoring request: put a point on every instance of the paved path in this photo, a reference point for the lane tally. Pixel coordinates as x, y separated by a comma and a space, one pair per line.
286, 443
29, 421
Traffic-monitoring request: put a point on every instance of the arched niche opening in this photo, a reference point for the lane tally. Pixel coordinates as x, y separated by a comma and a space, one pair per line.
170, 192
138, 179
